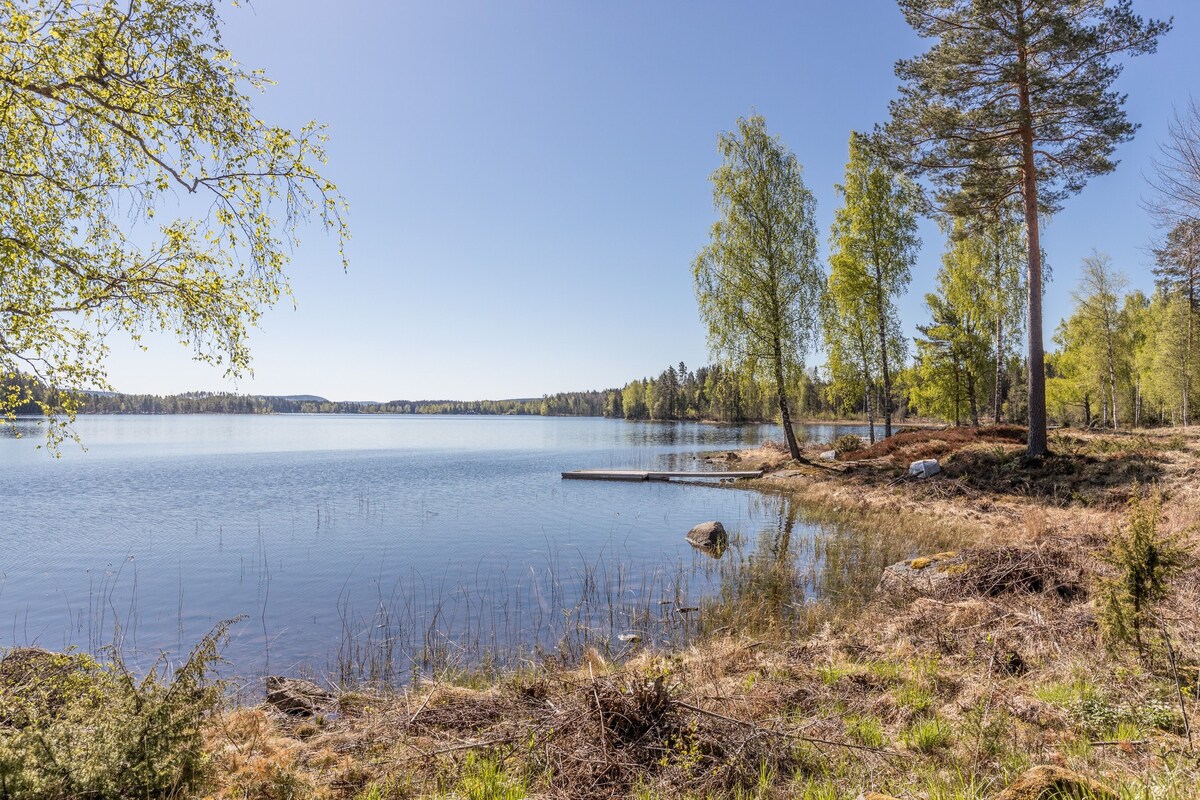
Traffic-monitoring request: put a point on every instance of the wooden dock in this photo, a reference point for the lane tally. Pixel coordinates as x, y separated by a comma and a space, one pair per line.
650, 475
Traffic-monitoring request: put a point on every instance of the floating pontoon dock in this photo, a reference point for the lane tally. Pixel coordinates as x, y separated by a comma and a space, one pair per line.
644, 475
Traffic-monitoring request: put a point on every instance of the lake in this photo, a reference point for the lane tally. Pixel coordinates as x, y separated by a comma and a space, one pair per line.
360, 545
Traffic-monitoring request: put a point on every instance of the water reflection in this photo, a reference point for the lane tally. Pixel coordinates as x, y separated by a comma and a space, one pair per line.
380, 547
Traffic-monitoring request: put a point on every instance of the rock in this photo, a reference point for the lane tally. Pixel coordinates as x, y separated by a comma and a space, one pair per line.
297, 697
828, 455
920, 576
45, 682
23, 665
925, 468
1055, 783
709, 537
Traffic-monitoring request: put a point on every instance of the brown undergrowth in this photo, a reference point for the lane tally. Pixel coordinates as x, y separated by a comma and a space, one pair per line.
959, 673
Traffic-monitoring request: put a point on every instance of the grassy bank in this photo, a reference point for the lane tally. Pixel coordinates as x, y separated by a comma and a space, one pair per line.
1003, 640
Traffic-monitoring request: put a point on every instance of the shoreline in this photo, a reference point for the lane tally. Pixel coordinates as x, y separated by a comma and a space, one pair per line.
981, 661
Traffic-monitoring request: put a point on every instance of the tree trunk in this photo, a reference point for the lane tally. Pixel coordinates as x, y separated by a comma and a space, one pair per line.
998, 310
973, 403
785, 413
883, 353
1137, 404
870, 415
1037, 366
997, 395
1112, 381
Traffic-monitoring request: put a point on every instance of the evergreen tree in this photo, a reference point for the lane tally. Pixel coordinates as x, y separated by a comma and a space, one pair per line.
1015, 99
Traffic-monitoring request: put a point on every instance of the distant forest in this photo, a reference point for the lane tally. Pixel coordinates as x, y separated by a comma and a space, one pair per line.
709, 393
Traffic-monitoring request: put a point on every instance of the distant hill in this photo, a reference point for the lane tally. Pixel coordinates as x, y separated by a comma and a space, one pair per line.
300, 398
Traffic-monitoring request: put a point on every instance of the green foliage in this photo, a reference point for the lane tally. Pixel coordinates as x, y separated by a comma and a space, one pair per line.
927, 735
848, 443
758, 280
485, 779
1014, 101
874, 241
110, 109
954, 352
72, 727
867, 731
1145, 560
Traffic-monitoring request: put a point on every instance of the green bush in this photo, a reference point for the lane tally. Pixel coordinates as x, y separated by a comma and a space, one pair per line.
847, 443
72, 727
1145, 560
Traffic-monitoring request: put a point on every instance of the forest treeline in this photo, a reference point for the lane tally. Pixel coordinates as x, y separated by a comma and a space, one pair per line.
708, 393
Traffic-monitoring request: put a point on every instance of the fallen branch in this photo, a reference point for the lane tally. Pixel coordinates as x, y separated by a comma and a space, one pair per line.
1187, 727
464, 746
787, 734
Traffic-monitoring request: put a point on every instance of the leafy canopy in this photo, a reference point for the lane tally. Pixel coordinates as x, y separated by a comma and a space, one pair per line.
108, 111
758, 280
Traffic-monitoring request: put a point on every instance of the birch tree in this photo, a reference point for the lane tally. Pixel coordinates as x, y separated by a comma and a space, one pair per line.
874, 242
1097, 306
107, 112
758, 281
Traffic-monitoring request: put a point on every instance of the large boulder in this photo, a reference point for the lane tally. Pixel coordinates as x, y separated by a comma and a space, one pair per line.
709, 537
1055, 783
297, 697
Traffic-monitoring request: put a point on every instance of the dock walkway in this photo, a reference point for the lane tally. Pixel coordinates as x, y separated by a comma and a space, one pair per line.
650, 475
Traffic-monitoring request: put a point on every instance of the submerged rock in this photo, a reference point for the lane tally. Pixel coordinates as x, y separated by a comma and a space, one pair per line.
709, 537
295, 696
1052, 783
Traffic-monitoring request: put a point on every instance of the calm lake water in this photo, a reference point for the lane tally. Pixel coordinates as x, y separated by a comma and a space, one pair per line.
372, 544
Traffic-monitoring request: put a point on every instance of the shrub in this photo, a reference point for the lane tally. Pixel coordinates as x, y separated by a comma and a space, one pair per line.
73, 727
1145, 559
847, 443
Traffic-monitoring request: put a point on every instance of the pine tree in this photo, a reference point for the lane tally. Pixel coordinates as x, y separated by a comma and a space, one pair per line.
1014, 99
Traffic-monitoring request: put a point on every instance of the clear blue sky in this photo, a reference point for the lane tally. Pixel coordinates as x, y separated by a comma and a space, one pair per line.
529, 180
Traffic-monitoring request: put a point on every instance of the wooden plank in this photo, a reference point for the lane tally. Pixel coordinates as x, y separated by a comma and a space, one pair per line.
651, 475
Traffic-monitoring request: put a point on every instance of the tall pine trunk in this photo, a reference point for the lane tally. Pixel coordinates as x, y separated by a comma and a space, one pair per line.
997, 395
1036, 368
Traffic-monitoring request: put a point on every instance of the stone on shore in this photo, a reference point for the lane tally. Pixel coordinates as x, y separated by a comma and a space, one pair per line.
920, 576
1055, 783
296, 697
